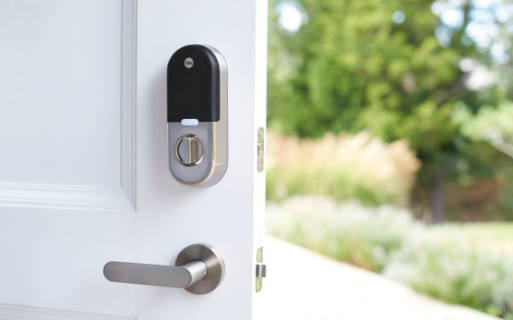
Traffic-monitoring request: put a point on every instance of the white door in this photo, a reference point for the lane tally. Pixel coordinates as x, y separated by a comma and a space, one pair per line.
84, 175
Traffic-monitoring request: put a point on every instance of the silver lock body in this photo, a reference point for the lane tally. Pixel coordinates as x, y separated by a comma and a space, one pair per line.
213, 137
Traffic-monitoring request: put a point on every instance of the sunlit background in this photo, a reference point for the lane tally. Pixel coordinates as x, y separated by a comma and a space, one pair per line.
390, 140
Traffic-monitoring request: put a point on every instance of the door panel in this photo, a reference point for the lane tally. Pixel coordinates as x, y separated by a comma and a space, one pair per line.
54, 259
84, 178
13, 312
66, 131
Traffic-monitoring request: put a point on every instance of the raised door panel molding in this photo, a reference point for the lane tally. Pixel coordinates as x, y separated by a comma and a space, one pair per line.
14, 312
67, 132
128, 97
65, 197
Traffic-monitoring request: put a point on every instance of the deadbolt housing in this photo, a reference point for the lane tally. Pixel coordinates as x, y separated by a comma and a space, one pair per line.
197, 115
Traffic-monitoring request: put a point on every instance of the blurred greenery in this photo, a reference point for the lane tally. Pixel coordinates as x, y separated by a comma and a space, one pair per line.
344, 166
352, 67
477, 126
350, 82
488, 130
468, 264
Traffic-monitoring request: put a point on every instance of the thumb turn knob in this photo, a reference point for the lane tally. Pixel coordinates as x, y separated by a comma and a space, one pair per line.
189, 150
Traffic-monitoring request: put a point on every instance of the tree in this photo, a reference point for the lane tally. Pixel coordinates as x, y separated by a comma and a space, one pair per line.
378, 65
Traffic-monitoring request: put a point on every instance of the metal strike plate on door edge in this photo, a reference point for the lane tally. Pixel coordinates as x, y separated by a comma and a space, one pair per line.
261, 270
260, 149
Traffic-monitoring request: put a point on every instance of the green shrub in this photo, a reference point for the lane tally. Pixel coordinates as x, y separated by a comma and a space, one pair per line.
366, 237
468, 264
343, 167
457, 269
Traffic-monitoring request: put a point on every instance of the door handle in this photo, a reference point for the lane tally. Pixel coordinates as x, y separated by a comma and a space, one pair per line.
153, 275
199, 270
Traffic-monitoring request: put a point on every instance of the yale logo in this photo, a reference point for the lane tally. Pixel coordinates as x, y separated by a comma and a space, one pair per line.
188, 63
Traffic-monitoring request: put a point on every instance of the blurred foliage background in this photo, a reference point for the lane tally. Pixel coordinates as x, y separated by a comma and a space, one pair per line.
344, 167
434, 74
468, 264
387, 118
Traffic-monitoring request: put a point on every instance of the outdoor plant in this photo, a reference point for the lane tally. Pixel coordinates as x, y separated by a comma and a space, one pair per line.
347, 231
459, 263
399, 69
343, 167
457, 269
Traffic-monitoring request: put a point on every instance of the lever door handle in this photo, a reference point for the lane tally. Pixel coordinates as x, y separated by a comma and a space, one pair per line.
153, 275
199, 270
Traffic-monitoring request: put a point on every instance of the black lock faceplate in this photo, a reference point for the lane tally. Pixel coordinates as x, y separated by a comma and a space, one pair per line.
193, 93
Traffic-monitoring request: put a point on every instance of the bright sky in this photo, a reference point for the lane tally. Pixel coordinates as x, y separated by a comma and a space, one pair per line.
291, 18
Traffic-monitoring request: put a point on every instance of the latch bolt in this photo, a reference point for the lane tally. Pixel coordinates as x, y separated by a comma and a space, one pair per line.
261, 270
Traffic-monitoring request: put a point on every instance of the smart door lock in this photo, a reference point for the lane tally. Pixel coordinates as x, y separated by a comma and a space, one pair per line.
197, 115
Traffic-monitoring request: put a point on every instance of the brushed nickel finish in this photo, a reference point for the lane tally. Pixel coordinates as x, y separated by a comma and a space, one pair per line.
189, 150
215, 265
199, 270
155, 275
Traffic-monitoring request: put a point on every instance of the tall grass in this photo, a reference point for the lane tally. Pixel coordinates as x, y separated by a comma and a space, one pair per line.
343, 167
441, 263
455, 262
365, 237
